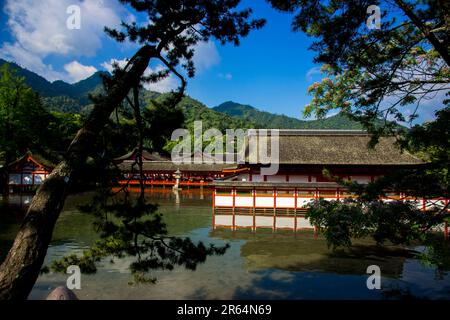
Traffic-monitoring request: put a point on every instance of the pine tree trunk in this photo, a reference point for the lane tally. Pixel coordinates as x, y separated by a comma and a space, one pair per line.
21, 268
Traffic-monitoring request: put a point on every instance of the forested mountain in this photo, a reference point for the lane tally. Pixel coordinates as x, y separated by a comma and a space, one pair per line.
60, 95
269, 120
194, 110
74, 98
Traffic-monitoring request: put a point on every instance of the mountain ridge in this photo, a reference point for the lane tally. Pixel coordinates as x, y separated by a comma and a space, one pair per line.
264, 119
74, 98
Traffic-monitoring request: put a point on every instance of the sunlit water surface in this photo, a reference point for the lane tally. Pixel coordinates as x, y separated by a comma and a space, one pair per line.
261, 265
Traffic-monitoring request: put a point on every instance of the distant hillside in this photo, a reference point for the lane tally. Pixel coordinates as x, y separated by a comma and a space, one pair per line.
194, 110
38, 83
74, 98
65, 97
60, 95
269, 120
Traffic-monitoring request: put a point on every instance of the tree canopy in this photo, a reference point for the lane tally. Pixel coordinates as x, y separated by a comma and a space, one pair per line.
386, 73
383, 73
171, 31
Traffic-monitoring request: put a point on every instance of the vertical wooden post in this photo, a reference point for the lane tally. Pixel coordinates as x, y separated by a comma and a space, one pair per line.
295, 210
214, 208
446, 222
254, 208
233, 192
274, 209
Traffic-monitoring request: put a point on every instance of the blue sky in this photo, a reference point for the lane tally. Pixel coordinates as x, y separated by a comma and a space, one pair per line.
271, 69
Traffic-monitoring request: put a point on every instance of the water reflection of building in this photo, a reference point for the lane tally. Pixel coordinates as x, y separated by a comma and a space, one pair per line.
246, 199
27, 172
305, 252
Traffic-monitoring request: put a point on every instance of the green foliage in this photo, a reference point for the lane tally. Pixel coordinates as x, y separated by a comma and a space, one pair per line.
24, 121
431, 142
398, 222
130, 227
38, 83
65, 126
341, 221
196, 111
85, 262
436, 254
262, 119
62, 104
160, 121
371, 74
59, 95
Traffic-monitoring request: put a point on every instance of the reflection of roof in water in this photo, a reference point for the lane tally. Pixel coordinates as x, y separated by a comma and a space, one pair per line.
303, 252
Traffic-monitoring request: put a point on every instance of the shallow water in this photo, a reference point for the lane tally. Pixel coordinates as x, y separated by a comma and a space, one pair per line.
280, 265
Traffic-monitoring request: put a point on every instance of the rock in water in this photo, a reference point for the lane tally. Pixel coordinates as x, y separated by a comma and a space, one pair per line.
62, 293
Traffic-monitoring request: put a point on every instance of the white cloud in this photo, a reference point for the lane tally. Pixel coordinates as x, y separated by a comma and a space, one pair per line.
165, 85
314, 71
15, 53
206, 56
78, 72
108, 65
40, 30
